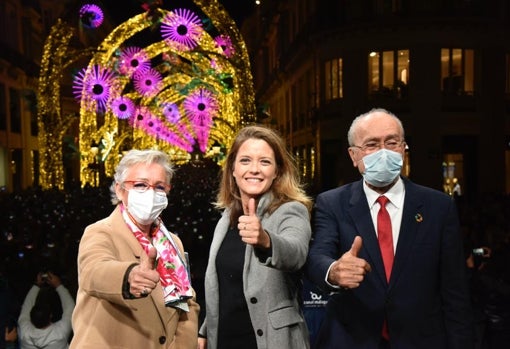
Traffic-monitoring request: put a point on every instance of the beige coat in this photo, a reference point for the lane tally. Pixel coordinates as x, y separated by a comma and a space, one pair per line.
102, 318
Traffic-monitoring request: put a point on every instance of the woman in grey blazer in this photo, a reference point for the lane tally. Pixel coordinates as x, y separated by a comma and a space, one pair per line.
259, 246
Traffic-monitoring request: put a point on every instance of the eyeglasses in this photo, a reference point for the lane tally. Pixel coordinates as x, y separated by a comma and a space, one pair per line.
372, 146
143, 186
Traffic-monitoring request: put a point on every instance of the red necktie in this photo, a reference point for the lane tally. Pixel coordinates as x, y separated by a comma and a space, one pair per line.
385, 237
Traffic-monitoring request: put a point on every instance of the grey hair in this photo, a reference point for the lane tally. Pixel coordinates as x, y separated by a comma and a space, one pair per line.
135, 157
354, 124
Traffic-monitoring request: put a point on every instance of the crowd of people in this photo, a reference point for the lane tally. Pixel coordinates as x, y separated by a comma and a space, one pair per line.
251, 233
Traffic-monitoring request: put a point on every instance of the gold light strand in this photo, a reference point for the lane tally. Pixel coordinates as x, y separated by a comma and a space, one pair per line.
52, 126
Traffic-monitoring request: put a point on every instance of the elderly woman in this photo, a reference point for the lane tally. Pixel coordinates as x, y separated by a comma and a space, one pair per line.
134, 283
260, 243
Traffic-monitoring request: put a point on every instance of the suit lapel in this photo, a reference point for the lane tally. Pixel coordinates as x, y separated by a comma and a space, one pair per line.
411, 220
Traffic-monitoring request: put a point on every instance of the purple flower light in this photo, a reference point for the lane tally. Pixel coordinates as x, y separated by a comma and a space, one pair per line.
133, 59
152, 125
200, 107
202, 133
147, 82
141, 114
91, 16
96, 85
123, 107
171, 112
224, 43
181, 29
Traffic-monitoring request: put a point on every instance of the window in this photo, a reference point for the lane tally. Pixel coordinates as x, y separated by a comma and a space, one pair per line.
457, 71
453, 174
388, 73
305, 161
333, 79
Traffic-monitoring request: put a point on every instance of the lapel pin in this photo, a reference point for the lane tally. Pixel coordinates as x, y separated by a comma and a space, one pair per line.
419, 218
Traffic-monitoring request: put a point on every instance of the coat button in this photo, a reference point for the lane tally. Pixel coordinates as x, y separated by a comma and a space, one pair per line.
253, 300
260, 332
162, 340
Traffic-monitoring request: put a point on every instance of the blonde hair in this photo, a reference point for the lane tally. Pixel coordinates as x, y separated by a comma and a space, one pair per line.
286, 186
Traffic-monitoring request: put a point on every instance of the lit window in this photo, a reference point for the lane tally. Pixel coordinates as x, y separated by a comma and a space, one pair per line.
388, 73
457, 71
333, 79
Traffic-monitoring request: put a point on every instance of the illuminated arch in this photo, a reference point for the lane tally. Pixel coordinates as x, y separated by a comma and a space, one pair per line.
184, 73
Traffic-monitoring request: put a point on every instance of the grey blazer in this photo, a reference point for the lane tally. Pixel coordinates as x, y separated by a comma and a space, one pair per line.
271, 284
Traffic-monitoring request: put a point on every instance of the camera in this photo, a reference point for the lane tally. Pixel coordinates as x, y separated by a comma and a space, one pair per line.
44, 276
478, 251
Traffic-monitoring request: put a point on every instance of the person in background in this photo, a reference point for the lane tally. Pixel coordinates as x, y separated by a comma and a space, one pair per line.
492, 288
134, 287
38, 326
390, 251
252, 281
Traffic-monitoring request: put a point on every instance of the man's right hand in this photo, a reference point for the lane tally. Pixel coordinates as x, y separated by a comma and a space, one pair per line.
349, 270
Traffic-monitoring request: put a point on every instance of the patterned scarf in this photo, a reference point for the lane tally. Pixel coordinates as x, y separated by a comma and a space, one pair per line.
171, 266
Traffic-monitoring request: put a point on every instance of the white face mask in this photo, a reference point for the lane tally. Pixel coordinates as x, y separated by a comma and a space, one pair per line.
147, 206
382, 167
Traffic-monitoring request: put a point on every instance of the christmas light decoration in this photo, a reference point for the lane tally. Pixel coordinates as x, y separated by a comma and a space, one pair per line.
171, 112
95, 85
133, 59
147, 82
201, 106
91, 16
181, 29
225, 45
123, 107
204, 91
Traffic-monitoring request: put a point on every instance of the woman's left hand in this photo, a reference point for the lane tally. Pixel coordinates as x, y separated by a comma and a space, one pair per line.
250, 229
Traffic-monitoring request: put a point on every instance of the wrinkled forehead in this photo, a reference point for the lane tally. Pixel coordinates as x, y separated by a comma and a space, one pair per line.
378, 126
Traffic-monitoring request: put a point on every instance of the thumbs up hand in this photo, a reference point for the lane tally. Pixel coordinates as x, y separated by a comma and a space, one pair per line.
250, 229
349, 270
147, 261
144, 277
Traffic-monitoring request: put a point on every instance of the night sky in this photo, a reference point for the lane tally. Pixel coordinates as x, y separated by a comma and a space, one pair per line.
238, 9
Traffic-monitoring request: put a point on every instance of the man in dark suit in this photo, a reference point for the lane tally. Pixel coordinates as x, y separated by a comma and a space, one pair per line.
412, 292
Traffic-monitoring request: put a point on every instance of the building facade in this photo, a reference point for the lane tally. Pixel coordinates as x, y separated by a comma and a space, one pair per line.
24, 27
442, 66
21, 41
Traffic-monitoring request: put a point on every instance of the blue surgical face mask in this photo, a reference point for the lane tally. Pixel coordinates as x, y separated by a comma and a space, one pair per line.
382, 167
